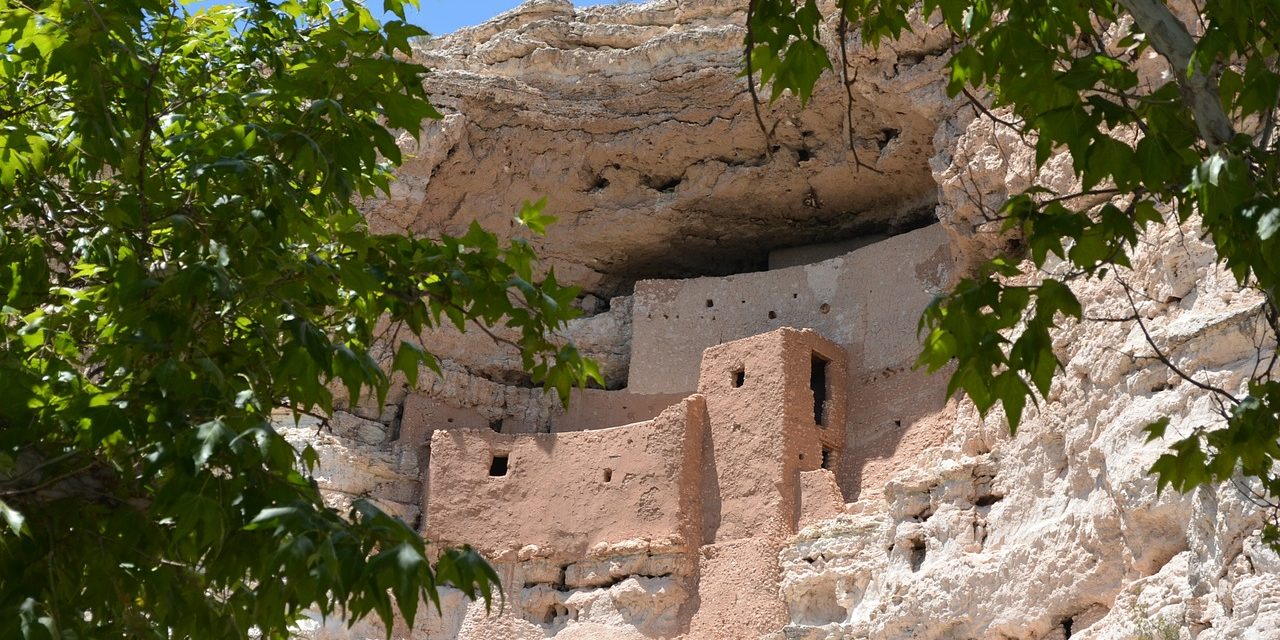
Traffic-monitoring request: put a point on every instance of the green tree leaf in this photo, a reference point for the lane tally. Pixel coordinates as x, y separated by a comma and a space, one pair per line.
181, 261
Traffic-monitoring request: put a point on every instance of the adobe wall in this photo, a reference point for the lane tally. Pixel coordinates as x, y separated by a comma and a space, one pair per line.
768, 428
861, 300
895, 416
597, 408
569, 492
679, 517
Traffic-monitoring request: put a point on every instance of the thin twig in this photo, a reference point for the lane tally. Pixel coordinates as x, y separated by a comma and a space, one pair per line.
842, 31
6, 115
1106, 319
51, 481
37, 468
1079, 194
749, 44
987, 112
1159, 355
324, 420
480, 325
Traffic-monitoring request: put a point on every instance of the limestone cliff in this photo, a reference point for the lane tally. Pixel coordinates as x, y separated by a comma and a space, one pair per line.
632, 120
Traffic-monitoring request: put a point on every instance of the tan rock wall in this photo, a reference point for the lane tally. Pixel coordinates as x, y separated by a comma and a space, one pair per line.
1060, 529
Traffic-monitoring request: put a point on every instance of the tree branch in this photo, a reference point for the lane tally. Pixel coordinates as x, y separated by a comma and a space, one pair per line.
1159, 355
748, 44
1170, 39
842, 32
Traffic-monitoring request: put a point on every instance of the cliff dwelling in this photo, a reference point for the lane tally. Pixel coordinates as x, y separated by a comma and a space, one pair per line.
741, 422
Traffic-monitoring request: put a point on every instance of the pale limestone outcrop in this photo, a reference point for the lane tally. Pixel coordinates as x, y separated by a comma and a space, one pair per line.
632, 120
359, 458
1059, 532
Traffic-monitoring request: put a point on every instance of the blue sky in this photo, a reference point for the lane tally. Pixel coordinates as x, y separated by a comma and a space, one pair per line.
437, 16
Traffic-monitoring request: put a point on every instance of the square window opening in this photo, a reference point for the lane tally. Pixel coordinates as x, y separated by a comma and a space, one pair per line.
498, 465
826, 458
739, 378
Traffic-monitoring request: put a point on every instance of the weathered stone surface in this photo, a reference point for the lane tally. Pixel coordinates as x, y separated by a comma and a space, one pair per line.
595, 573
633, 121
356, 461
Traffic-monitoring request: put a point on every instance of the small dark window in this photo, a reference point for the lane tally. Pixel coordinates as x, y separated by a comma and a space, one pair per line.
498, 465
818, 384
739, 377
710, 303
608, 475
496, 425
773, 315
826, 458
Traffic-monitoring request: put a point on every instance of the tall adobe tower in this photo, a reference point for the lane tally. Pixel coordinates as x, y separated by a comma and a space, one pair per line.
776, 407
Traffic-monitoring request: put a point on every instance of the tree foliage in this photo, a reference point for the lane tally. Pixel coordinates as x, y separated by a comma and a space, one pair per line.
180, 255
1198, 141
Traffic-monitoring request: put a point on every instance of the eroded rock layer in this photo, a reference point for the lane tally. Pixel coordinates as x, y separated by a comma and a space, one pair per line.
633, 122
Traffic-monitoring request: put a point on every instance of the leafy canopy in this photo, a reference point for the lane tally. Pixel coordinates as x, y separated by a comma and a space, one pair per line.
180, 255
1199, 141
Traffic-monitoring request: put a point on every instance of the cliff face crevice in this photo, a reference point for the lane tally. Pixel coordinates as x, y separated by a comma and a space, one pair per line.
632, 120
